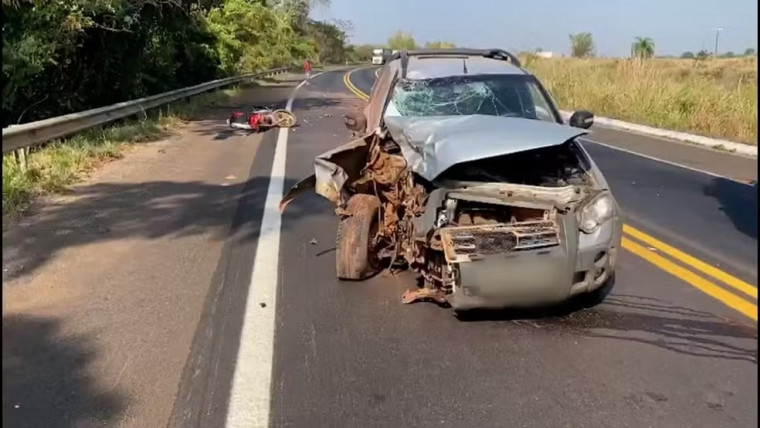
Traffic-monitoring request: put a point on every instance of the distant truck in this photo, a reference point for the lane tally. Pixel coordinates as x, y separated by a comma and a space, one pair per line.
381, 56
377, 57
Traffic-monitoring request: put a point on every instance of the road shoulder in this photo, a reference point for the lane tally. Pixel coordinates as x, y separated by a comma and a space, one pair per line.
110, 280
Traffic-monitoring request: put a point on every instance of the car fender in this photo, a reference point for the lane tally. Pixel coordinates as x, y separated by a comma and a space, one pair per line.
332, 170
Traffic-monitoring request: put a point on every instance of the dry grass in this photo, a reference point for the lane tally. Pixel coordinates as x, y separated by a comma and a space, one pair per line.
713, 97
60, 163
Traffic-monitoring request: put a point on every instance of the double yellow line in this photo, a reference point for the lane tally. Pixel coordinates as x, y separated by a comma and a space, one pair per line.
693, 271
351, 87
735, 293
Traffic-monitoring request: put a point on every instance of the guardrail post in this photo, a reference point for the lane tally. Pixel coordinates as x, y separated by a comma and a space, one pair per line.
22, 158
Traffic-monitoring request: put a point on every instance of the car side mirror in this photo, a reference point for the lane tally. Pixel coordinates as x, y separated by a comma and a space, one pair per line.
582, 119
355, 121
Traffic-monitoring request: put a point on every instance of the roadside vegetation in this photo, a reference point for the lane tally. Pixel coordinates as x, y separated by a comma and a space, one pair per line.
716, 97
701, 94
62, 57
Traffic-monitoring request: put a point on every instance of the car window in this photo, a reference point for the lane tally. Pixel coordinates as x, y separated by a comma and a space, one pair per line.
493, 95
543, 111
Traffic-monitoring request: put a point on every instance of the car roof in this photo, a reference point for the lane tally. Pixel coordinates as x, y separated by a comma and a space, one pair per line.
431, 67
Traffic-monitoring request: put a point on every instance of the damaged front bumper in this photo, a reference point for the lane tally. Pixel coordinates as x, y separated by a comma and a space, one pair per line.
548, 262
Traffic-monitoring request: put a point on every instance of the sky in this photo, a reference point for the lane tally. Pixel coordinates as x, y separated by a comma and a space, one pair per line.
675, 26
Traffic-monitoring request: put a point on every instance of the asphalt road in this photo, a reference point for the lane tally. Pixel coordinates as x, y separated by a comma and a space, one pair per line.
660, 352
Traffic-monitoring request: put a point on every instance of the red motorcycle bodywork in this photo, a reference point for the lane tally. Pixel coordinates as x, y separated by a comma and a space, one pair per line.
253, 119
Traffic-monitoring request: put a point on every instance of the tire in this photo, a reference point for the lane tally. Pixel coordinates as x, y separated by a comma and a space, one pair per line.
284, 118
354, 258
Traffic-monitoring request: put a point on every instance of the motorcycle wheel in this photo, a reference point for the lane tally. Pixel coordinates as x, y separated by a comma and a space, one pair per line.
284, 118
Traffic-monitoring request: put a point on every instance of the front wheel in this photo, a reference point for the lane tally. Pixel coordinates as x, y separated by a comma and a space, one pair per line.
284, 118
355, 255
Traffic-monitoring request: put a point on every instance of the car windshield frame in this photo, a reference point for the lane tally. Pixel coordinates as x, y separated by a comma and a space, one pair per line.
533, 85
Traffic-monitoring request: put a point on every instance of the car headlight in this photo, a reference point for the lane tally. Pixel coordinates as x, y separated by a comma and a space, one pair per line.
596, 212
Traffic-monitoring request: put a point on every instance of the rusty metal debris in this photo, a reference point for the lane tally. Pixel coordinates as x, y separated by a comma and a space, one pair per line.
411, 296
465, 243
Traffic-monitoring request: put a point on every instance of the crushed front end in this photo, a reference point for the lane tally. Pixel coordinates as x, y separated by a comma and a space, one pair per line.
516, 246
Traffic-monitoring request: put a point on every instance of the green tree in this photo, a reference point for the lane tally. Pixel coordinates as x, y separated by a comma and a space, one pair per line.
66, 56
401, 41
438, 44
642, 48
251, 37
295, 12
728, 54
581, 45
687, 55
749, 52
329, 40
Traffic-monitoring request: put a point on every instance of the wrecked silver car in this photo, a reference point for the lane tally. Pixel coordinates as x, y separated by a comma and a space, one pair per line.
467, 174
490, 211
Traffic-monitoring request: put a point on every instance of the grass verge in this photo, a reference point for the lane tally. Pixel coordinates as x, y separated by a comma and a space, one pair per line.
714, 97
52, 167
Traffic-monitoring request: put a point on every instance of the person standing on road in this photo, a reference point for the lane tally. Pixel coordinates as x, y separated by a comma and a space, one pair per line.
307, 70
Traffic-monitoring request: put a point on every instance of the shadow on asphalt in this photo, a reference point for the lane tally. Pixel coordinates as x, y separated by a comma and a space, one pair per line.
675, 328
738, 201
45, 380
155, 210
644, 320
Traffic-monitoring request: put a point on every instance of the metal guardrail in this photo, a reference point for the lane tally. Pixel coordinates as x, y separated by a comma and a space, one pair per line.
28, 134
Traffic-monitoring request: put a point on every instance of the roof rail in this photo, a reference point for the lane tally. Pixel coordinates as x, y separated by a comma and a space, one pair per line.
487, 53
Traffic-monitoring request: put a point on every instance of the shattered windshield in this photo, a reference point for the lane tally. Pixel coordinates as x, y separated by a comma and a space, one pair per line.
493, 95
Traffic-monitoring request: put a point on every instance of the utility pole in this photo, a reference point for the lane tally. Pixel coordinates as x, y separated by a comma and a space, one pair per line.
717, 33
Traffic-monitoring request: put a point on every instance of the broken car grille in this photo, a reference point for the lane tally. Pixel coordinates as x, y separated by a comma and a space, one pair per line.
464, 244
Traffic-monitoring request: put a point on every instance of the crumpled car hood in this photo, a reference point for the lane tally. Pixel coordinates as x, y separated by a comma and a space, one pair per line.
431, 145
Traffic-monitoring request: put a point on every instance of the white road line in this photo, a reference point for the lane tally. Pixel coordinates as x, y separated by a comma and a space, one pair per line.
250, 397
377, 72
712, 174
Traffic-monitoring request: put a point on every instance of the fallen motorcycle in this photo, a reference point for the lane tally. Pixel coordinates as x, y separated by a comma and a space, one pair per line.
261, 118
